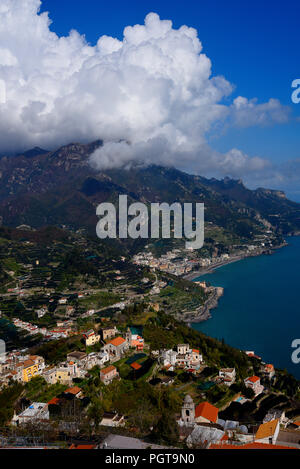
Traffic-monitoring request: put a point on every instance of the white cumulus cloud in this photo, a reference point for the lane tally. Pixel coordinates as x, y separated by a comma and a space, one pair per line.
151, 97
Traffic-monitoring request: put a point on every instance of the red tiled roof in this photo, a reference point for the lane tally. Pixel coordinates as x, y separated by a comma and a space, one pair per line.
207, 411
54, 401
75, 390
253, 379
117, 341
269, 367
28, 363
267, 429
108, 369
249, 446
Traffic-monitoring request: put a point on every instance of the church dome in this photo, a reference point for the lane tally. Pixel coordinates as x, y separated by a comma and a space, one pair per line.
188, 399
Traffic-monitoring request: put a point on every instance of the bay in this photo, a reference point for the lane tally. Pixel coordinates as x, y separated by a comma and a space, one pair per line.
260, 309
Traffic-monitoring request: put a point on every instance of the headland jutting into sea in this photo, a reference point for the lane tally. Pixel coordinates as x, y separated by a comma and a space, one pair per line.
203, 313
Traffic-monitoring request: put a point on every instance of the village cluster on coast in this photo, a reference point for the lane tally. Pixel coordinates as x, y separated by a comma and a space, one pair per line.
186, 263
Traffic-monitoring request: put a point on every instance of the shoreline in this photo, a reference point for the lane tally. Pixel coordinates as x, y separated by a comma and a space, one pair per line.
210, 269
204, 312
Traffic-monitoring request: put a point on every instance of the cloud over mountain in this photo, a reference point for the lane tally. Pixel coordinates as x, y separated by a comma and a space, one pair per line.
151, 97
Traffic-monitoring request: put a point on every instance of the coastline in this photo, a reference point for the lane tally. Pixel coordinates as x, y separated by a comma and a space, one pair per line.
210, 269
204, 312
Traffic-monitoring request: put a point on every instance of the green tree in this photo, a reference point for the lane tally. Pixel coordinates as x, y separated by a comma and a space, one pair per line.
95, 412
166, 430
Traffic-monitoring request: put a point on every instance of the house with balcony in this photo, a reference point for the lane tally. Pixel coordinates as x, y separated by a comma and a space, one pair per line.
91, 338
227, 376
253, 382
188, 358
64, 373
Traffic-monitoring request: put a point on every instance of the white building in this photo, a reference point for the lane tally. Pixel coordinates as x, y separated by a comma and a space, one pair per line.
36, 411
275, 414
182, 349
168, 357
188, 358
253, 382
227, 375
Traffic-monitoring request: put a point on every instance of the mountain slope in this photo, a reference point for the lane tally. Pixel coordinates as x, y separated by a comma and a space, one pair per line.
61, 188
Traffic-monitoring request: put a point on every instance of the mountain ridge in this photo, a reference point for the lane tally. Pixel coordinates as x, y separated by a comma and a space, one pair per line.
61, 188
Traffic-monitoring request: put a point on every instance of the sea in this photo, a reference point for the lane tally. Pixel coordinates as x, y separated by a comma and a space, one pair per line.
260, 309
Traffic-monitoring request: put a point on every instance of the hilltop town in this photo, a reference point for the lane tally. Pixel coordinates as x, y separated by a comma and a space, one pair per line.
205, 406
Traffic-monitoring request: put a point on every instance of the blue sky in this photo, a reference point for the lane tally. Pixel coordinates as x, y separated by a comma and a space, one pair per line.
253, 44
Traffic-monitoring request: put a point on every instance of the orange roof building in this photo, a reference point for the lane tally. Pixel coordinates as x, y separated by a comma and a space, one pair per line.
54, 401
206, 412
117, 341
268, 431
253, 379
74, 390
269, 366
108, 370
108, 374
269, 369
